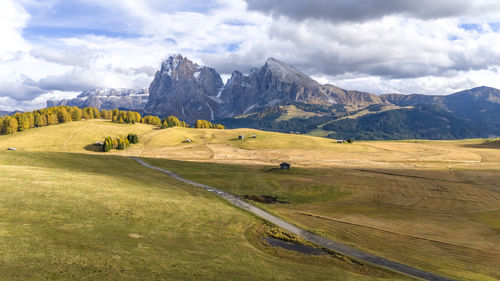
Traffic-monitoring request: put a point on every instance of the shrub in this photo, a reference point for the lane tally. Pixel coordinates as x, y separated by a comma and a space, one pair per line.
350, 140
133, 138
108, 144
121, 144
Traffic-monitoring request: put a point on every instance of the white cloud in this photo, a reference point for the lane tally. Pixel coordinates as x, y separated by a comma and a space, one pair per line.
406, 48
362, 10
10, 104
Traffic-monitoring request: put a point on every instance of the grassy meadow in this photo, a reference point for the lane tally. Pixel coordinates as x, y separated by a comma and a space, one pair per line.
441, 222
67, 211
88, 217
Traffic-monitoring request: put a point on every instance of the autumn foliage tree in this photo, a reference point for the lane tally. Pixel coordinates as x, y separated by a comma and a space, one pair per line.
8, 125
22, 121
119, 143
204, 124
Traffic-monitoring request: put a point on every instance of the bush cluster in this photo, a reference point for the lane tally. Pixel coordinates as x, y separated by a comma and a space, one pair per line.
133, 138
119, 143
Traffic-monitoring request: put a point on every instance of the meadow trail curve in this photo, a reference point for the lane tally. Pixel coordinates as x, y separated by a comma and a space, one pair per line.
313, 238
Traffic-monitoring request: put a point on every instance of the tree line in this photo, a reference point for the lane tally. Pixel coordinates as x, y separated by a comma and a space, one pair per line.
62, 114
45, 117
204, 124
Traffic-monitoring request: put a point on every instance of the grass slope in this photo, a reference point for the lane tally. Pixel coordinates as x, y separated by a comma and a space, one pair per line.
443, 222
431, 204
80, 217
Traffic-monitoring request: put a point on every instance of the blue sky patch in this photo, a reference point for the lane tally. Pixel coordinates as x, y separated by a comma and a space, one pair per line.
34, 32
232, 47
472, 26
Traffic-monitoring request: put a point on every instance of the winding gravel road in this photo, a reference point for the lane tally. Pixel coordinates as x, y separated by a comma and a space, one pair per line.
316, 239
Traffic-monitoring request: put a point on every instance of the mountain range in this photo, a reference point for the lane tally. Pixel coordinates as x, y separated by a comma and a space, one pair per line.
279, 97
107, 99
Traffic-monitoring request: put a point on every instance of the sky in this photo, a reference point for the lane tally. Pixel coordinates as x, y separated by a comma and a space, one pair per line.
53, 49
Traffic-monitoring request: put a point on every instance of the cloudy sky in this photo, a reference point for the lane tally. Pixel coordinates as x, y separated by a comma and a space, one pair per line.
57, 48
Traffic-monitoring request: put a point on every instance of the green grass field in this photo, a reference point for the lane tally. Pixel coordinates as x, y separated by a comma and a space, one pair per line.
67, 212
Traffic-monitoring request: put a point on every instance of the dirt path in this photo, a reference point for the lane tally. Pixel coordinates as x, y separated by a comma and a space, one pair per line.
316, 239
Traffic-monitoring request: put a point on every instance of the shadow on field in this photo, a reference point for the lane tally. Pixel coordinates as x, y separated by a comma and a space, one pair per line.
485, 144
93, 148
266, 199
299, 248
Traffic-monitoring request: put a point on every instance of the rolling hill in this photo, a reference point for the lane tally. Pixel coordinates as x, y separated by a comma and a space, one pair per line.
69, 211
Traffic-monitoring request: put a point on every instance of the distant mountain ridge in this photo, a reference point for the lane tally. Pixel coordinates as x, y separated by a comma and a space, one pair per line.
3, 113
107, 99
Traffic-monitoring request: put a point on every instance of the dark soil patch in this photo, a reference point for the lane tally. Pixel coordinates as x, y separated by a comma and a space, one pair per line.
303, 249
266, 199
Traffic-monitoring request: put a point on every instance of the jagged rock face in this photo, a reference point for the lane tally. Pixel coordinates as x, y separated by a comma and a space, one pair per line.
191, 92
278, 83
107, 99
186, 90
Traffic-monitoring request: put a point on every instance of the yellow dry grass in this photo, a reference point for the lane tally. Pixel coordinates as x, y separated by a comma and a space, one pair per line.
431, 204
268, 147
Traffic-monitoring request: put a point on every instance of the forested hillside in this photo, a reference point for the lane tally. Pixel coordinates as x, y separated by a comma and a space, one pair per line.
420, 122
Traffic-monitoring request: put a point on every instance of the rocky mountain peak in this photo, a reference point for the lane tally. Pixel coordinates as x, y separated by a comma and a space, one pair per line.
185, 89
107, 98
190, 91
287, 73
177, 67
